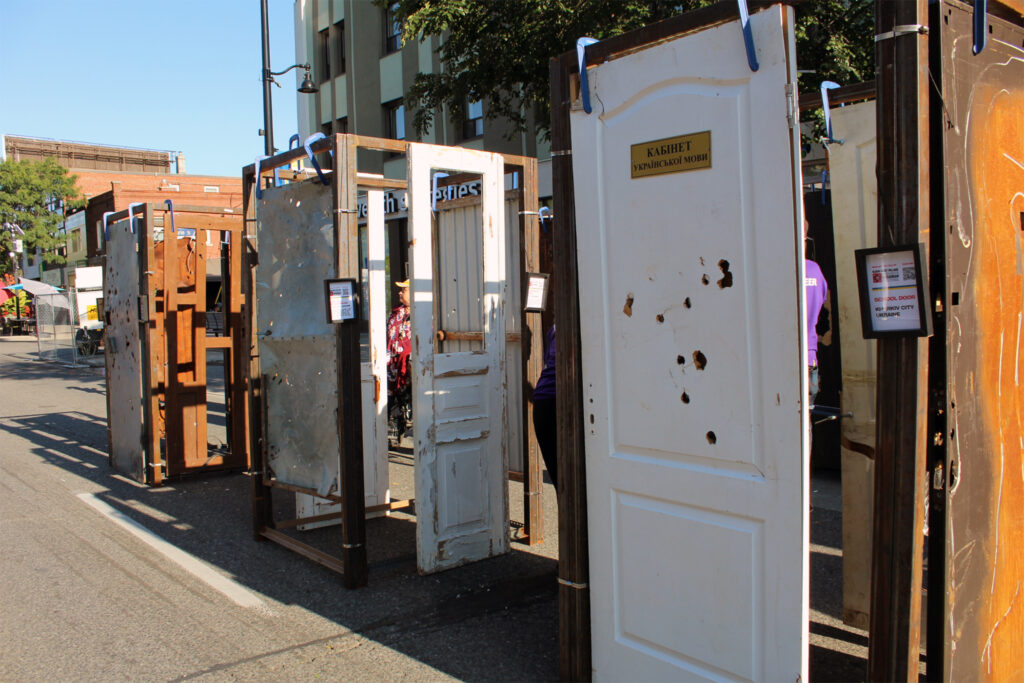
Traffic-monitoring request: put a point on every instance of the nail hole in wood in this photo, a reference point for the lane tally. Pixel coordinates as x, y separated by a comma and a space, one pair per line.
712, 439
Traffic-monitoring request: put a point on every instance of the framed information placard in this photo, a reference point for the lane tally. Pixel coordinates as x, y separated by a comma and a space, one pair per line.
893, 297
341, 299
536, 292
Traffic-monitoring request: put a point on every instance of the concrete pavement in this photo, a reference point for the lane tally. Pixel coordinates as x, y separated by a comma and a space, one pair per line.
87, 595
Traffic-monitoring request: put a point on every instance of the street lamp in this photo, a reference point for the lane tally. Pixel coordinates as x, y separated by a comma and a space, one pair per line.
307, 86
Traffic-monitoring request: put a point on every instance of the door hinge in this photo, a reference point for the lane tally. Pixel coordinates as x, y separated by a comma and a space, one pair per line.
791, 107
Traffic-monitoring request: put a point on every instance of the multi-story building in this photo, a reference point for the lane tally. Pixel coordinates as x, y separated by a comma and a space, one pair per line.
111, 178
363, 72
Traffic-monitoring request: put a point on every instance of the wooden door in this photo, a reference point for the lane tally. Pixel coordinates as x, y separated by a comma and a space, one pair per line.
694, 358
458, 396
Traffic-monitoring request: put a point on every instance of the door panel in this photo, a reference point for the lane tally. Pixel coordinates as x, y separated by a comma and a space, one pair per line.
124, 351
694, 361
458, 399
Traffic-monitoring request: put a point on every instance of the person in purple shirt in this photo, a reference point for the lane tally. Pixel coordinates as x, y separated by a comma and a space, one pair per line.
544, 422
817, 292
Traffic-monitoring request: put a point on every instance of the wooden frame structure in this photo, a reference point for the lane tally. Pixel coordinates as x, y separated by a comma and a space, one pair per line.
340, 151
174, 338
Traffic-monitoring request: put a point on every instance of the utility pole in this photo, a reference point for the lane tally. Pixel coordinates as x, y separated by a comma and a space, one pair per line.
901, 56
268, 112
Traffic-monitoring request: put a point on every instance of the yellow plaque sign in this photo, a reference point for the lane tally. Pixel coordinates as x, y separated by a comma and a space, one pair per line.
671, 155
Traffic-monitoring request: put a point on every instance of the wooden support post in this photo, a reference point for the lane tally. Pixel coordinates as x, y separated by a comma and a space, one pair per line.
532, 354
901, 448
262, 501
573, 552
350, 413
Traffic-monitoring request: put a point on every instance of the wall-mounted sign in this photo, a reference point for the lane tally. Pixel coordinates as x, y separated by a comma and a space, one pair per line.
340, 296
536, 292
893, 298
671, 155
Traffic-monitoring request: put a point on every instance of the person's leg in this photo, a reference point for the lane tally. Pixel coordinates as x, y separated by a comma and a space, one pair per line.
544, 425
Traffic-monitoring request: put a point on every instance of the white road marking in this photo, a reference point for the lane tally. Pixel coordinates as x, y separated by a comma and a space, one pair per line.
193, 565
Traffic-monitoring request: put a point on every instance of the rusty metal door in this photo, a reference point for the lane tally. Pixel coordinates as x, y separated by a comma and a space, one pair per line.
694, 357
978, 465
458, 383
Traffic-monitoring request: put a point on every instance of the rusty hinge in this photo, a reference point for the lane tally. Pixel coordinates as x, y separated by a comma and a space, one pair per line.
791, 106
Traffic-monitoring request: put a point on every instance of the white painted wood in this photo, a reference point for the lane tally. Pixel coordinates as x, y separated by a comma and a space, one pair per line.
854, 223
458, 398
697, 479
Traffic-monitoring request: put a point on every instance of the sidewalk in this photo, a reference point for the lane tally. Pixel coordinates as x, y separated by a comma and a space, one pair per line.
492, 620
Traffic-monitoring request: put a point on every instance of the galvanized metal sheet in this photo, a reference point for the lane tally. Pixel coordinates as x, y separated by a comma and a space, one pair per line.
297, 346
983, 147
124, 351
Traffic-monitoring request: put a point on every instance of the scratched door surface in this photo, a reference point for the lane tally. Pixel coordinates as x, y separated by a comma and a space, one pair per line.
693, 358
983, 147
458, 395
124, 351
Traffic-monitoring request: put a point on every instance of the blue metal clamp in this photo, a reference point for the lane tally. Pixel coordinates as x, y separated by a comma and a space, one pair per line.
259, 188
170, 207
308, 146
748, 35
825, 87
106, 226
545, 218
980, 25
131, 218
581, 49
294, 140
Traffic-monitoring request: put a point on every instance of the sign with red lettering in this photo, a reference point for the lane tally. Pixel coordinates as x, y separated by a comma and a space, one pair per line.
893, 297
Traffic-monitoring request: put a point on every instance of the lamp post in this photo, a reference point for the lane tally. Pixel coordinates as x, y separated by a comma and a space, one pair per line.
307, 85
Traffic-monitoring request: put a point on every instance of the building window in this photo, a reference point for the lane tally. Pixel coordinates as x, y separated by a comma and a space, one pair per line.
392, 29
339, 47
341, 125
324, 46
394, 120
473, 124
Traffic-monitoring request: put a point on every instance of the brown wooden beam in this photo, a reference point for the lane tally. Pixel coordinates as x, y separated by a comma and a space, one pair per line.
573, 551
901, 448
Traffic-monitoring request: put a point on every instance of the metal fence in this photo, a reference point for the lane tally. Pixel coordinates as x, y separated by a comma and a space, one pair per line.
57, 328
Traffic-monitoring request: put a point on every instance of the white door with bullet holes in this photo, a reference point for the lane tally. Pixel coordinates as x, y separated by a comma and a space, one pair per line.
693, 353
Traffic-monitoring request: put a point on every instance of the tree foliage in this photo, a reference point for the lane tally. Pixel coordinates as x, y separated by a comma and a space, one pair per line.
499, 50
33, 195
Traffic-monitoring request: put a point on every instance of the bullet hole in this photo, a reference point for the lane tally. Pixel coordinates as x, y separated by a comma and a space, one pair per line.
685, 398
704, 279
702, 260
699, 359
956, 298
726, 280
660, 318
591, 418
686, 302
680, 360
628, 308
712, 439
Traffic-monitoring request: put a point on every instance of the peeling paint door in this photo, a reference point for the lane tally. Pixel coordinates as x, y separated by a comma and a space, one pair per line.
694, 358
458, 384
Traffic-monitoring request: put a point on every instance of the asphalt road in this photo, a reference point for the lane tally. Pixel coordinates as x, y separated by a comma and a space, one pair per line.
106, 579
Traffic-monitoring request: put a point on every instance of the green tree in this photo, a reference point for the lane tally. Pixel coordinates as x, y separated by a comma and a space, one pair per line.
33, 197
499, 50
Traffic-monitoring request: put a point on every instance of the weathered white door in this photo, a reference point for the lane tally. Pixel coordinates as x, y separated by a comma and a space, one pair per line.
458, 396
693, 357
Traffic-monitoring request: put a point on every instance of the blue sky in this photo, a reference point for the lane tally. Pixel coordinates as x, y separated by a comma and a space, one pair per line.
182, 75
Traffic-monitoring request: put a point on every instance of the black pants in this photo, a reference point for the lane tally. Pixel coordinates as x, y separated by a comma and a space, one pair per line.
545, 426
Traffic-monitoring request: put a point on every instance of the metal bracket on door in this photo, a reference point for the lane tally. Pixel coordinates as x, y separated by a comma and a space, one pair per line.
308, 146
131, 218
581, 58
259, 183
825, 87
748, 35
980, 24
170, 208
